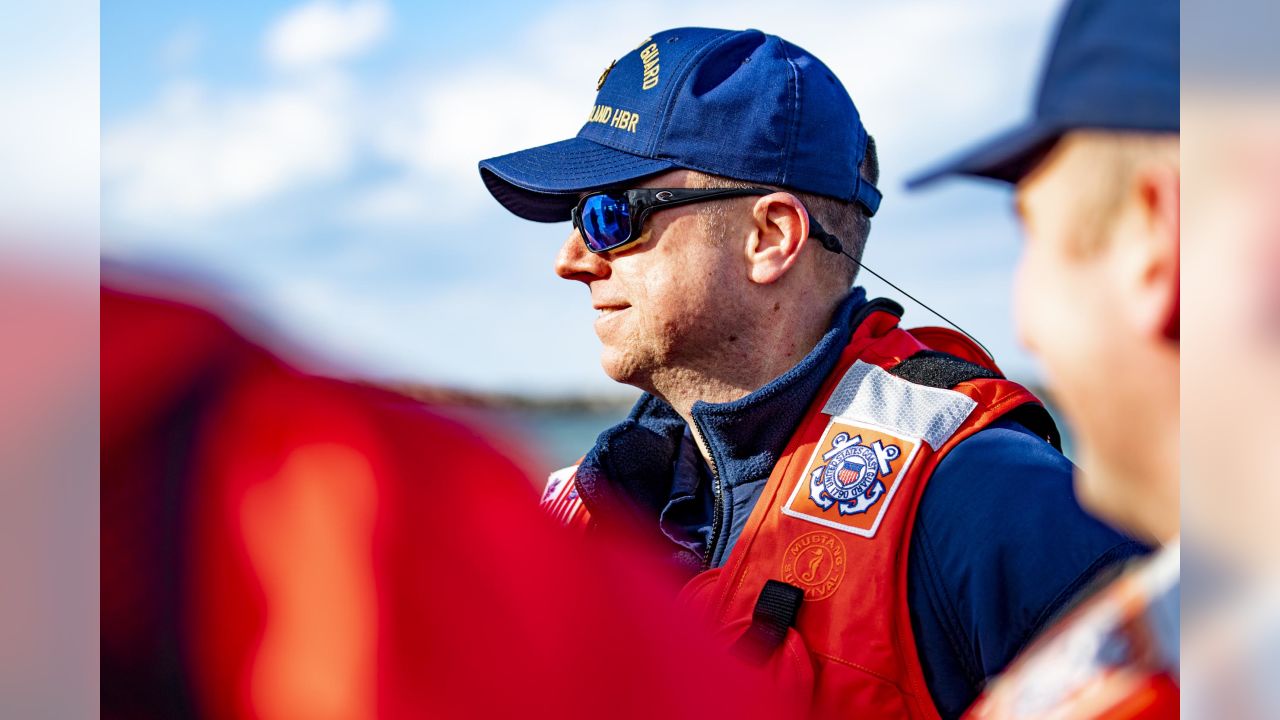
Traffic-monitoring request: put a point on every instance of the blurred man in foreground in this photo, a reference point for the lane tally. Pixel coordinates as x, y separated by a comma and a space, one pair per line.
279, 545
1097, 190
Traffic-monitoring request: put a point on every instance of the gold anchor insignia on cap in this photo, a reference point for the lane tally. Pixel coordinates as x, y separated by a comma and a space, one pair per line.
605, 74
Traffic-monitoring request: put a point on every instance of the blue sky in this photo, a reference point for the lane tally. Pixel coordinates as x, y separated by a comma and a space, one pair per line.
316, 161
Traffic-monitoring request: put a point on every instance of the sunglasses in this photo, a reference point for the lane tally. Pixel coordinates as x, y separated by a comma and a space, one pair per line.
612, 219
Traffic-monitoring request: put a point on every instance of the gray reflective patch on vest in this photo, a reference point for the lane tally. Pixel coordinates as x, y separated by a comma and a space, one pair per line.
867, 393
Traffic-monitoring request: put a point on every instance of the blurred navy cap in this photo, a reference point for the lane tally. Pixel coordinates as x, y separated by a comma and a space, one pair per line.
1114, 66
741, 104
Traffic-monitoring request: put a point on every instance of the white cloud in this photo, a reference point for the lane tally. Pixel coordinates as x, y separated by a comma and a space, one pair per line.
435, 132
49, 124
401, 201
324, 31
195, 155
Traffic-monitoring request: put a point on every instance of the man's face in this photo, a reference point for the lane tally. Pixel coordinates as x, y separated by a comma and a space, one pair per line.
1066, 293
663, 302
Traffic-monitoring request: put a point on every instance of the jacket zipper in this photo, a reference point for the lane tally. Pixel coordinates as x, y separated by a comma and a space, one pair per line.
717, 514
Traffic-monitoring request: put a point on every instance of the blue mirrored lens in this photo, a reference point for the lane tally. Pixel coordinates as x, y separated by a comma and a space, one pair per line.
606, 221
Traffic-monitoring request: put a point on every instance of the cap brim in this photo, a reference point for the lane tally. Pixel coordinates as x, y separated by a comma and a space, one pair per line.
1008, 157
543, 183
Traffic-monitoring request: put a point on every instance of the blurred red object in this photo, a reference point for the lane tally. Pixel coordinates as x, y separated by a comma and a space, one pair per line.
279, 545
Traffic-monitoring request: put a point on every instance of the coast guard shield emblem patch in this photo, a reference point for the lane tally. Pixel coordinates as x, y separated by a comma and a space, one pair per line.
852, 477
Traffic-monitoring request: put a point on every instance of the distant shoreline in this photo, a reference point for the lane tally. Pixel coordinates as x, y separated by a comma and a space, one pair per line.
457, 397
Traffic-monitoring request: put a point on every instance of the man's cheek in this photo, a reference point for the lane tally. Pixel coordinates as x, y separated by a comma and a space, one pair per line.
1024, 303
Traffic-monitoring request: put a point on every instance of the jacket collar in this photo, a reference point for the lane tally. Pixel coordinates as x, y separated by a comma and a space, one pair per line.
629, 470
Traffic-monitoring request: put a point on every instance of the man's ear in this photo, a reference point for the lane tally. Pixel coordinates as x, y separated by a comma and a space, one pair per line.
1153, 227
781, 228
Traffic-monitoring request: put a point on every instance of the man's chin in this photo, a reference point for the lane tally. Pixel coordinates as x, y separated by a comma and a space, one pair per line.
623, 368
618, 372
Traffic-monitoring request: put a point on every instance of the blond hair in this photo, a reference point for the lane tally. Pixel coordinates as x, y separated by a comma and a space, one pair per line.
845, 219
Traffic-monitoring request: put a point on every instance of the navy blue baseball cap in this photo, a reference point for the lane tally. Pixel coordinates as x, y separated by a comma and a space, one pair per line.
741, 104
1114, 66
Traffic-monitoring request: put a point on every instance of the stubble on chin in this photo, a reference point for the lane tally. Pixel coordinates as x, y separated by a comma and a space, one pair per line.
623, 367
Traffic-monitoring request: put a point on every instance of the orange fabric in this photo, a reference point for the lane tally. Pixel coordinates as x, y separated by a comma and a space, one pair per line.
281, 545
852, 650
308, 533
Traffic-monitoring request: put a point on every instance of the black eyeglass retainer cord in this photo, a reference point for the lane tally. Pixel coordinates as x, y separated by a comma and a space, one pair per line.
647, 200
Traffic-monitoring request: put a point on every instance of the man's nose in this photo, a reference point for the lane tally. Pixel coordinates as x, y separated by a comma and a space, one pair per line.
575, 262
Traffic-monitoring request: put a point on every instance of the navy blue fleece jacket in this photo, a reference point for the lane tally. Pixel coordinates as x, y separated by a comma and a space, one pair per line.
1000, 545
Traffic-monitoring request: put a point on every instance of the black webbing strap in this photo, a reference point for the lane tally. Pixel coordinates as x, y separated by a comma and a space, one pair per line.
944, 370
939, 370
1035, 418
775, 612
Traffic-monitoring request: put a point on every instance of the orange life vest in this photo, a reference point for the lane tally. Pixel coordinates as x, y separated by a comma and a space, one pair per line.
815, 589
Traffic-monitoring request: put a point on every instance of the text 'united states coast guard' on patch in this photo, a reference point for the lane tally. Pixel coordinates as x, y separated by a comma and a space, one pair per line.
851, 477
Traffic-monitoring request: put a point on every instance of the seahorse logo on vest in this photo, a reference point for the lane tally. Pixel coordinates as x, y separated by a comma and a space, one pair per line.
851, 477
